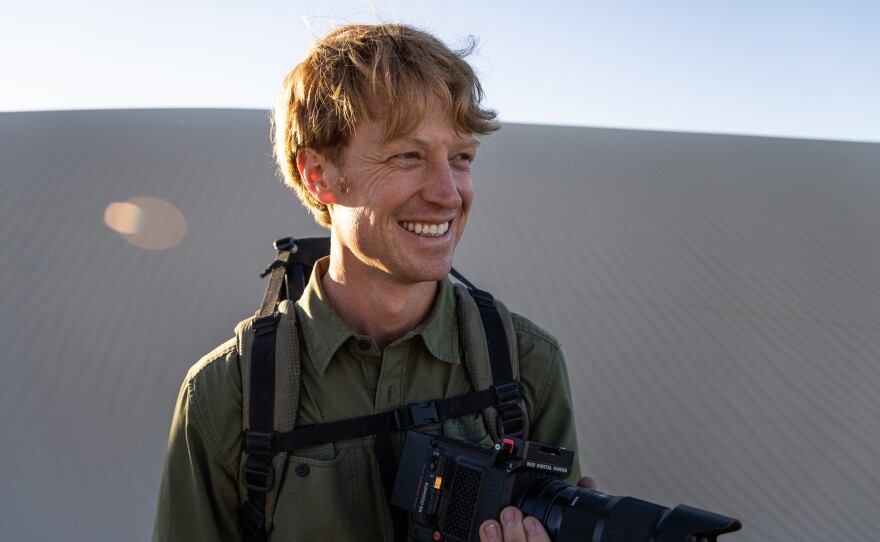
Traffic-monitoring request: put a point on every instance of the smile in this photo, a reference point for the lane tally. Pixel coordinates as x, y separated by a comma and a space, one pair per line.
432, 230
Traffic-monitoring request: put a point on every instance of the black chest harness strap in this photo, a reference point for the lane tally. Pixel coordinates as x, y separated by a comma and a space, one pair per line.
288, 275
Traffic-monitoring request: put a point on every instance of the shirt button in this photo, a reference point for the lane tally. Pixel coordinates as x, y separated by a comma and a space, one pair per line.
302, 470
364, 344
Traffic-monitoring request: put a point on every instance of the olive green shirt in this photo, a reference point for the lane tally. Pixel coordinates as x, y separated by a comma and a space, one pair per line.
333, 491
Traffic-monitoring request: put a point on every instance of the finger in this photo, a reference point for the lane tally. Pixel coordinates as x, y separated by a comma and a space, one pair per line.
512, 525
535, 531
490, 531
516, 529
588, 483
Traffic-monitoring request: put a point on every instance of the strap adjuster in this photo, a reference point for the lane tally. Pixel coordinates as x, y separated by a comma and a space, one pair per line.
511, 422
266, 324
259, 442
507, 392
407, 417
259, 475
285, 243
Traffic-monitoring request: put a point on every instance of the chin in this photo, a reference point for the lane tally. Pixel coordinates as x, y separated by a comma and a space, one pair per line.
426, 274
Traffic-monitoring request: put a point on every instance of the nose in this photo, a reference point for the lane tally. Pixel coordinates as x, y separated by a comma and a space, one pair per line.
443, 185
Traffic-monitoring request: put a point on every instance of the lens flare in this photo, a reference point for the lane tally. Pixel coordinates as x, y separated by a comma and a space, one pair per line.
147, 222
124, 217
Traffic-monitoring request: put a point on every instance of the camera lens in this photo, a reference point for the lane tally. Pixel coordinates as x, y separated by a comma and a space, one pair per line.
572, 514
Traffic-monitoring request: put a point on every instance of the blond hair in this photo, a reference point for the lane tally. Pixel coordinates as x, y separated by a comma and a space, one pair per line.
360, 72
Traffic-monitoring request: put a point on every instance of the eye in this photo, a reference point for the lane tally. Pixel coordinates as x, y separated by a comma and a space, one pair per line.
463, 158
408, 156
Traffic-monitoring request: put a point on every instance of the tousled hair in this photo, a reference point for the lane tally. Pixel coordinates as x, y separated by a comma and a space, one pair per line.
359, 72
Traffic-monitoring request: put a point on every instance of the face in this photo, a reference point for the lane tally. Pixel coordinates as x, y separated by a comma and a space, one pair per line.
408, 199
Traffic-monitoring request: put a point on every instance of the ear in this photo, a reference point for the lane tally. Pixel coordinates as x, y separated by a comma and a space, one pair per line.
316, 172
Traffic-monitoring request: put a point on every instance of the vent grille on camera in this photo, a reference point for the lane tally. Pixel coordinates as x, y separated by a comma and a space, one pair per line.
462, 501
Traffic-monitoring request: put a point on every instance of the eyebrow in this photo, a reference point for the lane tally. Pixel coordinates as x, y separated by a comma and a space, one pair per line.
468, 141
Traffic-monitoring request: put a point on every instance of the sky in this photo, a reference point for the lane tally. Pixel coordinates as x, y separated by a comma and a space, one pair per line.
805, 69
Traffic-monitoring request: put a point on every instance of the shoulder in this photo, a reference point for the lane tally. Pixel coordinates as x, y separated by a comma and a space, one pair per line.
540, 355
541, 364
530, 332
215, 368
211, 400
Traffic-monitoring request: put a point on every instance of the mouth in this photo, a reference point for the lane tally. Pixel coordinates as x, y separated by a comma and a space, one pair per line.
426, 229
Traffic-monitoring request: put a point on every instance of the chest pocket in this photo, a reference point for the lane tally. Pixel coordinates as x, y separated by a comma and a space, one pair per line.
332, 495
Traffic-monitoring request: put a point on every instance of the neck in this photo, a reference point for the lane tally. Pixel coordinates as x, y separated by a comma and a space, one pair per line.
371, 303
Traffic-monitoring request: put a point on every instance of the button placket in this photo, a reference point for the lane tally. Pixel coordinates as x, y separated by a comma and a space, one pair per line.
390, 393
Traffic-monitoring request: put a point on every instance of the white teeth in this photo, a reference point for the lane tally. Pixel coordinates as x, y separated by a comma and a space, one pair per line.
434, 230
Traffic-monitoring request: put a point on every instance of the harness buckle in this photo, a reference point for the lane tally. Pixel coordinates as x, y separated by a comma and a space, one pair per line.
259, 442
409, 416
507, 392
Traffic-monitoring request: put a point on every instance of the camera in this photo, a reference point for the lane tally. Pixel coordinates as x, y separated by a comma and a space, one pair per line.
450, 487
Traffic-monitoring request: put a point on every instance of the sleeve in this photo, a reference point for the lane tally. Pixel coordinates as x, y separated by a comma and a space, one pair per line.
198, 494
546, 390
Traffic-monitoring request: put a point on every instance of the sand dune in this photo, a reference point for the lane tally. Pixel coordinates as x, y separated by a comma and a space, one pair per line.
717, 297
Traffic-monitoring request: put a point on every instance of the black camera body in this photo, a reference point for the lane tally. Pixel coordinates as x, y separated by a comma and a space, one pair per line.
450, 487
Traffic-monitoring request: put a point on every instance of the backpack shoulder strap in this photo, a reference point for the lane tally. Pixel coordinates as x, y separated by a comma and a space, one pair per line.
488, 338
269, 357
270, 379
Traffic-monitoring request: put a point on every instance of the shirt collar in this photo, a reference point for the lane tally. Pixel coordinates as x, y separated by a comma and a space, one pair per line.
325, 332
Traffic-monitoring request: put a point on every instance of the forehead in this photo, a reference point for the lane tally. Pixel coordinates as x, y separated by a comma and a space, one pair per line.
431, 123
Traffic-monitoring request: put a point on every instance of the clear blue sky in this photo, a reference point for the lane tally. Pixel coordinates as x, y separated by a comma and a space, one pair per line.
776, 67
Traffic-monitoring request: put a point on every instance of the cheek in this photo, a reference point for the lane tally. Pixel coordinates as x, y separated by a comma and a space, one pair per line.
348, 222
466, 192
362, 224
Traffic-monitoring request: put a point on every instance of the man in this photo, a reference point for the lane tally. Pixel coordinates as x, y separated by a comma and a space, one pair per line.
376, 132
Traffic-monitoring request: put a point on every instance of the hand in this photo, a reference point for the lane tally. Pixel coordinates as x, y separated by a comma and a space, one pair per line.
515, 528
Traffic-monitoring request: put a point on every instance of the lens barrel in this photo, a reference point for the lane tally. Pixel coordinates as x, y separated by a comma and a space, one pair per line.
572, 514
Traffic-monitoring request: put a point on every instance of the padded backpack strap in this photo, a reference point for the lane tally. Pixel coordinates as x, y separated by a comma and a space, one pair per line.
268, 347
270, 378
490, 348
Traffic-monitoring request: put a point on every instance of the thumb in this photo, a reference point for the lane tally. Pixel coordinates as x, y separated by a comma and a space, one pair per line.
587, 482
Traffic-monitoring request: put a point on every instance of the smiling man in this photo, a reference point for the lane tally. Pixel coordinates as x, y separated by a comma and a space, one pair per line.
395, 224
376, 132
